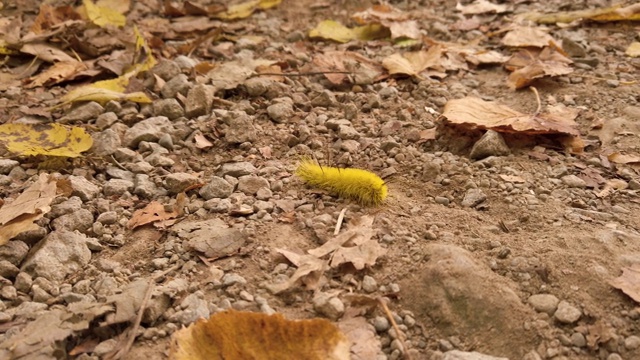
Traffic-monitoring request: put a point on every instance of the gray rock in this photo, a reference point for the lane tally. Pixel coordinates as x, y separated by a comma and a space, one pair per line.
106, 119
14, 252
257, 86
159, 160
105, 142
28, 309
240, 128
490, 144
146, 188
23, 282
546, 303
232, 278
567, 313
464, 355
574, 181
211, 237
473, 197
199, 101
381, 324
59, 254
178, 182
166, 69
83, 113
464, 296
325, 99
280, 112
68, 206
632, 342
126, 155
156, 307
216, 188
334, 124
169, 108
8, 270
83, 188
8, 292
6, 165
328, 306
178, 84
577, 339
250, 184
40, 295
117, 187
80, 220
147, 130
237, 169
108, 218
633, 112
185, 63
369, 284
105, 347
346, 132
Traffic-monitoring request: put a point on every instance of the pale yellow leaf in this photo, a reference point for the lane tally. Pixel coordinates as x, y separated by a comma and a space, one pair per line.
102, 15
245, 9
633, 50
45, 139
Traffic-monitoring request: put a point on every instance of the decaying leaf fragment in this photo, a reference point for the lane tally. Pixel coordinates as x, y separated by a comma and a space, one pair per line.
481, 7
629, 282
613, 13
338, 66
235, 335
335, 31
19, 216
154, 212
477, 113
45, 139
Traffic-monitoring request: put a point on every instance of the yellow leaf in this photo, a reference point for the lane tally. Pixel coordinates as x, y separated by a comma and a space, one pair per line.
333, 30
102, 96
633, 50
45, 139
245, 9
143, 58
234, 335
103, 16
121, 6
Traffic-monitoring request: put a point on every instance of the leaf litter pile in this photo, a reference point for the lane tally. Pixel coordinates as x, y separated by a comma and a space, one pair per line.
151, 205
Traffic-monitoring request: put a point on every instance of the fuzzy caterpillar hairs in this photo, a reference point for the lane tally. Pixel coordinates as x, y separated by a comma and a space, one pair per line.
360, 185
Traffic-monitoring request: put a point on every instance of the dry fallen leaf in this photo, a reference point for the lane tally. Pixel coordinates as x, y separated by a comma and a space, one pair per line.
524, 36
151, 213
310, 269
103, 15
360, 231
621, 158
365, 343
338, 66
414, 63
481, 7
633, 50
333, 30
234, 335
613, 13
629, 282
397, 21
245, 9
19, 215
531, 64
360, 256
477, 113
45, 139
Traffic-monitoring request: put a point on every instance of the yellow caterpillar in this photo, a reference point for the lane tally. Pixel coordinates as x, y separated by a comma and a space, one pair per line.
360, 185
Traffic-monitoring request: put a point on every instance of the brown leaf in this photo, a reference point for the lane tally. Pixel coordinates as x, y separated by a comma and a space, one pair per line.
477, 113
414, 63
611, 186
481, 7
57, 73
308, 267
365, 70
150, 214
629, 282
233, 335
622, 158
359, 232
360, 256
48, 17
531, 64
31, 205
46, 52
523, 36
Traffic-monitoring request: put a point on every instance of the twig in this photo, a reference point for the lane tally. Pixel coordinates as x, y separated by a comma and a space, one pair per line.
535, 91
131, 336
339, 222
118, 164
400, 335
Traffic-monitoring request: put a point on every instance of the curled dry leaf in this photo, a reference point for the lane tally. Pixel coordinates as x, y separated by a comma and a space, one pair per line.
477, 113
19, 216
360, 256
234, 335
151, 213
310, 269
398, 22
629, 282
335, 31
524, 36
414, 63
360, 69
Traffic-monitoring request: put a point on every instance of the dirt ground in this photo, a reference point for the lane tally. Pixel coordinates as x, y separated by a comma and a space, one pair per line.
469, 275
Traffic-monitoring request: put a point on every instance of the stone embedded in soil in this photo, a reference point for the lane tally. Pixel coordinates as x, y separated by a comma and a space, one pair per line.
465, 296
237, 169
216, 188
169, 108
178, 182
147, 130
567, 313
83, 113
240, 128
105, 143
280, 112
6, 165
546, 303
14, 251
179, 84
59, 254
473, 197
83, 188
117, 187
573, 181
212, 237
80, 220
250, 184
199, 101
328, 306
490, 144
